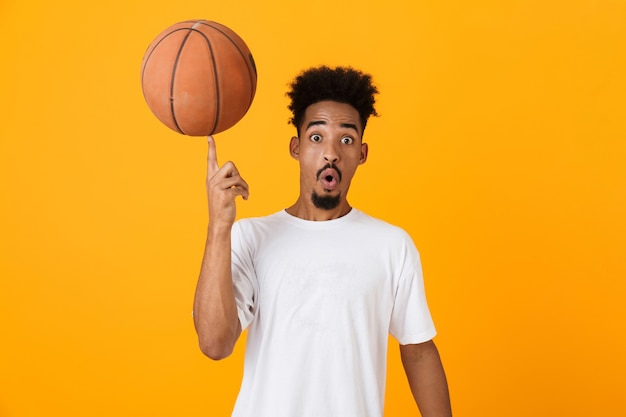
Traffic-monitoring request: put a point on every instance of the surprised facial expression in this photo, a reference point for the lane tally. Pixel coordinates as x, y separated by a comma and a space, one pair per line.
329, 150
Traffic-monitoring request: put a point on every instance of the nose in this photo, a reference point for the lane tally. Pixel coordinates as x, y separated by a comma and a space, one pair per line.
331, 154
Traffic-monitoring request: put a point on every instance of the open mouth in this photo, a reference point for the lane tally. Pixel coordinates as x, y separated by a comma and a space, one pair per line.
329, 179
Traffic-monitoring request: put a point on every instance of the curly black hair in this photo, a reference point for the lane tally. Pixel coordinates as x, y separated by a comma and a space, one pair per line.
340, 84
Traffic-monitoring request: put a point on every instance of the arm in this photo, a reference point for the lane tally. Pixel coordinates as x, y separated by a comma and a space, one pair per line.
214, 309
427, 379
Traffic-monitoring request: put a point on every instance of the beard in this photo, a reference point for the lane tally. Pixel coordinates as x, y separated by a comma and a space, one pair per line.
325, 202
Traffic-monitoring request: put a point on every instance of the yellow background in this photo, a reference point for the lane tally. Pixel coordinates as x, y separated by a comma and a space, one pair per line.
501, 148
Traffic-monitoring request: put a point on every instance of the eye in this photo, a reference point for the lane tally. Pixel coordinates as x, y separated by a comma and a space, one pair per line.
316, 138
347, 140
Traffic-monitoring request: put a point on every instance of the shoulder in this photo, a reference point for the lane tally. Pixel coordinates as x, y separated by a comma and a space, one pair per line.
392, 240
253, 226
274, 217
381, 227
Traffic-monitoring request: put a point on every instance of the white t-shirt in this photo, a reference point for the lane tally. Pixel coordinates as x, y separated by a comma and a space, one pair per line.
319, 300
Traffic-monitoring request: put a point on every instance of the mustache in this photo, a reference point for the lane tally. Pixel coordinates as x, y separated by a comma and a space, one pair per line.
327, 166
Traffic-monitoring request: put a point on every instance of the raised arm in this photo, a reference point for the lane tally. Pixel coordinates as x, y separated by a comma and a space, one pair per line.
427, 379
214, 309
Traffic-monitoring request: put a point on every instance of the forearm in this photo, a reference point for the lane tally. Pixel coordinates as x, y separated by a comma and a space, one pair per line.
215, 310
427, 379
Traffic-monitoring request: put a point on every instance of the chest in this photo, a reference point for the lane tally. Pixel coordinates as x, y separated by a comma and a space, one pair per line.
321, 275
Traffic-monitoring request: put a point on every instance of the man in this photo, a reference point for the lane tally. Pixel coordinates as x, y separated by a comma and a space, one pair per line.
319, 285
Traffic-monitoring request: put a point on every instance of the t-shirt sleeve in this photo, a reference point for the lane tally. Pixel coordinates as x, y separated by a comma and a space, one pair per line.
244, 278
411, 321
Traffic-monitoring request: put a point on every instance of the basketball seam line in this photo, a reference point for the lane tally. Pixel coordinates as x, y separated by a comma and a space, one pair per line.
252, 90
218, 106
180, 50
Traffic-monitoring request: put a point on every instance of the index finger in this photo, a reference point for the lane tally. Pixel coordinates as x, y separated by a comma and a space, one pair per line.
212, 156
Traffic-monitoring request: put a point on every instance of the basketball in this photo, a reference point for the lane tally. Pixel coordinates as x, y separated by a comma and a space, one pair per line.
198, 77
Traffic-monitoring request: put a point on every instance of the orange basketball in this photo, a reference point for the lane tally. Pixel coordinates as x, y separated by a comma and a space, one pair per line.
198, 77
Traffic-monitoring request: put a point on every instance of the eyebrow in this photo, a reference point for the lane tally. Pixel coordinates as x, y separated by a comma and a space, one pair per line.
322, 122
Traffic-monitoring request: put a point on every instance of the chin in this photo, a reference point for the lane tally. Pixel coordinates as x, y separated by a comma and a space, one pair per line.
326, 201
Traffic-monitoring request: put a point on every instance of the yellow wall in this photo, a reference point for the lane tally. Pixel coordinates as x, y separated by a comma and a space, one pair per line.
501, 148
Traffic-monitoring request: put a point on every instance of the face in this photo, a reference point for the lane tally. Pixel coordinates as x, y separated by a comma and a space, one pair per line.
329, 150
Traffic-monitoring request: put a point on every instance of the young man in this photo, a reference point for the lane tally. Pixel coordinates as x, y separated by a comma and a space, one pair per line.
319, 285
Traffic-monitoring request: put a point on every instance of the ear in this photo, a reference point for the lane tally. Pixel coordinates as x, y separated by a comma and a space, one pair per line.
294, 147
364, 149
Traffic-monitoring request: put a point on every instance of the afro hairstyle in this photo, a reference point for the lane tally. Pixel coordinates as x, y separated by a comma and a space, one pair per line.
340, 84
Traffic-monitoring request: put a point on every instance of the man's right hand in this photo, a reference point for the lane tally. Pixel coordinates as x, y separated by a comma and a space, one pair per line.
223, 186
215, 308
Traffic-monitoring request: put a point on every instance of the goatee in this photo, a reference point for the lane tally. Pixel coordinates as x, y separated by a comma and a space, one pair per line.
325, 202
